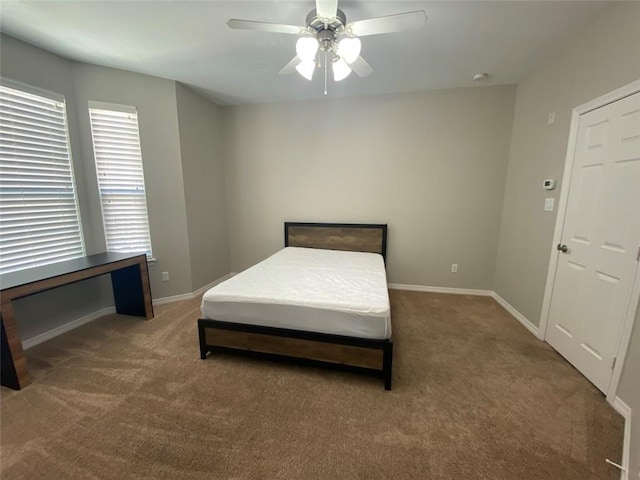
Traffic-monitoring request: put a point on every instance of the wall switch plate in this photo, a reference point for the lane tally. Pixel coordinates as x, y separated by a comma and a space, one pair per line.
552, 118
165, 276
454, 268
548, 204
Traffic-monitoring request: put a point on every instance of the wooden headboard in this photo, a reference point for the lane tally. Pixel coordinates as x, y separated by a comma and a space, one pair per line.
337, 236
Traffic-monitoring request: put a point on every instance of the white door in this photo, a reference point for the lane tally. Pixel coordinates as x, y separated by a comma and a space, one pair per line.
601, 235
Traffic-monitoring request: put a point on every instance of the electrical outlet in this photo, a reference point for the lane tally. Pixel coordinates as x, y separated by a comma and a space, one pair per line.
454, 268
165, 276
552, 118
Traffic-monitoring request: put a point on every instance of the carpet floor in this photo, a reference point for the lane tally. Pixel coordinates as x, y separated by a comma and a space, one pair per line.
475, 396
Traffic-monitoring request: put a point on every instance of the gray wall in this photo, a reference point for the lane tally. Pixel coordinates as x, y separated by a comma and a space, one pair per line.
200, 126
601, 59
30, 65
604, 57
157, 105
432, 165
155, 101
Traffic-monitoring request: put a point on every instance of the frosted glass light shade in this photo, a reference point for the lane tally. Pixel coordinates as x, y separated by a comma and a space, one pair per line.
306, 48
349, 49
340, 70
306, 69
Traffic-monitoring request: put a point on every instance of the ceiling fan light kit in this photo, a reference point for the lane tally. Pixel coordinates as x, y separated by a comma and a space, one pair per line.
340, 69
306, 48
349, 49
306, 69
327, 32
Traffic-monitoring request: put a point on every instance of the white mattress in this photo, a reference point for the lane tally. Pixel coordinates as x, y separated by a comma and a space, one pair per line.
325, 291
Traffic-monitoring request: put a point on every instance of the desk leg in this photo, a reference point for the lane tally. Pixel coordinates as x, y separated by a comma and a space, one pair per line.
132, 291
14, 365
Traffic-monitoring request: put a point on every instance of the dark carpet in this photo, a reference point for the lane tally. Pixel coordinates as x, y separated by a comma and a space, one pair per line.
475, 396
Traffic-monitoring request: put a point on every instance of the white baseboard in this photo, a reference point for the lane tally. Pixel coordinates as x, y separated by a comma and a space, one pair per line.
171, 299
465, 291
189, 296
192, 295
201, 290
517, 315
456, 291
623, 409
43, 337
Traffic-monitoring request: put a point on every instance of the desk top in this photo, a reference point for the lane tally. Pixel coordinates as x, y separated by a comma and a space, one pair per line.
36, 274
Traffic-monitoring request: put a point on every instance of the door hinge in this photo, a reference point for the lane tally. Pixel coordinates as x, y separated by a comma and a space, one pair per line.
613, 364
638, 256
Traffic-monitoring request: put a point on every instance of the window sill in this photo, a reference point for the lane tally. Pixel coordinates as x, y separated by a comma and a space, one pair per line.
151, 260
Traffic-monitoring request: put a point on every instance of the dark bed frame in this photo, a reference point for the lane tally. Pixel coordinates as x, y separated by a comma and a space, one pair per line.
360, 355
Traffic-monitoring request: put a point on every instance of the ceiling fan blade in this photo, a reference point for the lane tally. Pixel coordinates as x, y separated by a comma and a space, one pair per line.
361, 67
388, 24
326, 8
265, 26
290, 67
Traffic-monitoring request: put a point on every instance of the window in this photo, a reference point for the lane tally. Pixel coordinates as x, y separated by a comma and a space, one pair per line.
39, 220
116, 146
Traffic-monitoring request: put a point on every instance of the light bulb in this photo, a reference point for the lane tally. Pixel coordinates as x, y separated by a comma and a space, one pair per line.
340, 70
306, 48
349, 49
306, 69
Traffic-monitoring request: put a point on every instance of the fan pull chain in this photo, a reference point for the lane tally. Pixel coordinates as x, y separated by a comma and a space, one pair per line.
326, 68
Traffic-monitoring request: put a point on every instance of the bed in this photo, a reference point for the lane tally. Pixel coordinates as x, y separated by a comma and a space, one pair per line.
322, 300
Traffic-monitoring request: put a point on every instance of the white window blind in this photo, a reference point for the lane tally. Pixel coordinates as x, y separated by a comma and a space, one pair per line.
116, 146
39, 220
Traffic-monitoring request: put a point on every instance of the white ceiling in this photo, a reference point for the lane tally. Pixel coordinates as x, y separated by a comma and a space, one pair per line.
189, 42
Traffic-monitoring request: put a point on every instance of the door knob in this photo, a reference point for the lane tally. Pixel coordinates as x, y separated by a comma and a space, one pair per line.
562, 248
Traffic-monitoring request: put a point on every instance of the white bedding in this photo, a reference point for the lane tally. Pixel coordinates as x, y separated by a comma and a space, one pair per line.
325, 291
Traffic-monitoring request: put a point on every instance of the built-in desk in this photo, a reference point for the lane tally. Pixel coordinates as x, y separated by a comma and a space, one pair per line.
131, 290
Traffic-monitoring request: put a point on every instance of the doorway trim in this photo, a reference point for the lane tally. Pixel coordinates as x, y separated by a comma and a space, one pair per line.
627, 325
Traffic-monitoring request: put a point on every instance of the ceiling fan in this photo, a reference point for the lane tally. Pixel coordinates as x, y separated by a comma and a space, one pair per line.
328, 39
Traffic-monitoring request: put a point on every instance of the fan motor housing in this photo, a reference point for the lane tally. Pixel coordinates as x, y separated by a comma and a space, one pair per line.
316, 23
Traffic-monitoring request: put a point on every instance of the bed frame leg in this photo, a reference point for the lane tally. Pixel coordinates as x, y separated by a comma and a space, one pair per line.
387, 364
203, 341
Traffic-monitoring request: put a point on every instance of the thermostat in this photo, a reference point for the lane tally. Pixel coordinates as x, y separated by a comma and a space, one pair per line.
549, 184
